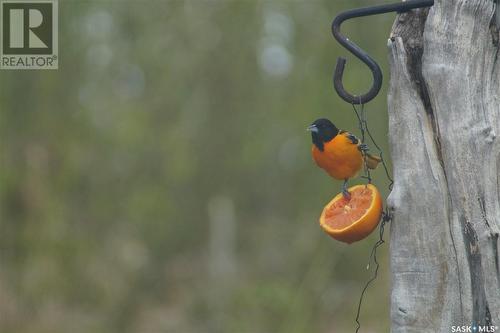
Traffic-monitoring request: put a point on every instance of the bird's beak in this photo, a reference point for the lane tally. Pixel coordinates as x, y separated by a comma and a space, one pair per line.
312, 128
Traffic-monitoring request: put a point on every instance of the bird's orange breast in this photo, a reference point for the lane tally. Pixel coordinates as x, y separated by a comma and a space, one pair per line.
340, 157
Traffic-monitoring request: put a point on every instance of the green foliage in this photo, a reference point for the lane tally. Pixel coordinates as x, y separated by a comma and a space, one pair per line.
161, 179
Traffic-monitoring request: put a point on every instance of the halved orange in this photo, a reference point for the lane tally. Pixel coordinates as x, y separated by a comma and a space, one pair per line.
350, 220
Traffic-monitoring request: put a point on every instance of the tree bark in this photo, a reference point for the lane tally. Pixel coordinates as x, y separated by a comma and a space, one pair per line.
444, 118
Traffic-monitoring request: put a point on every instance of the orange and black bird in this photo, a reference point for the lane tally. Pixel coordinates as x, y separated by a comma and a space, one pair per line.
338, 152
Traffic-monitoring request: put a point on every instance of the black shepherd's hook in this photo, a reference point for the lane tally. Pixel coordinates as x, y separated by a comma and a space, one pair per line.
399, 7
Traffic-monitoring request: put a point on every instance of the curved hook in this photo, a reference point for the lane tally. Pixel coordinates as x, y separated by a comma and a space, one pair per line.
399, 7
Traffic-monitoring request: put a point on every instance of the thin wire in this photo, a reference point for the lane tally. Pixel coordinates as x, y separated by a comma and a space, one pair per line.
373, 255
381, 154
363, 127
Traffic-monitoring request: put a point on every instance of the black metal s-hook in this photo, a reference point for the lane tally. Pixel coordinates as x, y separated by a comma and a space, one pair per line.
399, 7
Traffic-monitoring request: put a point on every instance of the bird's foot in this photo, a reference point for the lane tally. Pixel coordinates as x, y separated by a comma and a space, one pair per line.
363, 147
346, 194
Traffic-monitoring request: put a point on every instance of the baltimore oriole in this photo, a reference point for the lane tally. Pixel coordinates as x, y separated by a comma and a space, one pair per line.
338, 152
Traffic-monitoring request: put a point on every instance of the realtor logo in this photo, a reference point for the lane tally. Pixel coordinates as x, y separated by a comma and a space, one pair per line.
29, 34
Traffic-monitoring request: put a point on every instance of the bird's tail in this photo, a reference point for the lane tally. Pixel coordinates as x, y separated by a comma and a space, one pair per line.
372, 161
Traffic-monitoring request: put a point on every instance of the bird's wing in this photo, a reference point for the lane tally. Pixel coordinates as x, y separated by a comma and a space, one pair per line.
351, 137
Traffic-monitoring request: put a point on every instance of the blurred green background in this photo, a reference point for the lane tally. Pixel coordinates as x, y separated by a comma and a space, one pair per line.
161, 179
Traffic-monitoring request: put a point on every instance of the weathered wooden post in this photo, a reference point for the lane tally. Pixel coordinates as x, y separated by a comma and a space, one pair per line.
444, 119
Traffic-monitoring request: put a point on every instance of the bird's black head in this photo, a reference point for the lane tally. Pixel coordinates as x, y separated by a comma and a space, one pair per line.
322, 130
